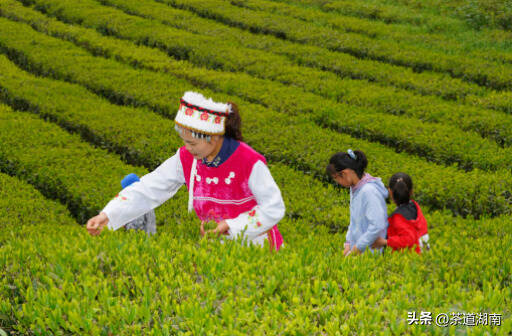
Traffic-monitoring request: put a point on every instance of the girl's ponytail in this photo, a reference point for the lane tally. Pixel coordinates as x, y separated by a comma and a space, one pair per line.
401, 186
361, 163
233, 123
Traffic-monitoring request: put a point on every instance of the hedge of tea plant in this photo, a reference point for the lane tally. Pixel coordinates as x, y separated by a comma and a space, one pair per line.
286, 73
88, 92
389, 13
405, 134
123, 283
19, 199
313, 157
482, 72
310, 55
441, 40
192, 46
485, 123
417, 23
64, 281
361, 93
356, 66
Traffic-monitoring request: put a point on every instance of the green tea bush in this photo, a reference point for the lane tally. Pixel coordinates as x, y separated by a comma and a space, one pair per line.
60, 165
91, 98
405, 134
306, 157
124, 283
339, 63
486, 73
487, 123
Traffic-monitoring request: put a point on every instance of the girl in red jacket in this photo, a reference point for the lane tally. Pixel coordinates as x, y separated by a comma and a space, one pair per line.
407, 227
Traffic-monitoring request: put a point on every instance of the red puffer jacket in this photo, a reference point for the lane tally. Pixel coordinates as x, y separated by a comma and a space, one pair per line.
403, 233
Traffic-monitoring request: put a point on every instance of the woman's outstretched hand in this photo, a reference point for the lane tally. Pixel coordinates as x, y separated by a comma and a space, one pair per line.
96, 224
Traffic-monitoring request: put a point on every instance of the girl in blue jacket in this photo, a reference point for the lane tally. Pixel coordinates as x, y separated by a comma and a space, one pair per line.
368, 211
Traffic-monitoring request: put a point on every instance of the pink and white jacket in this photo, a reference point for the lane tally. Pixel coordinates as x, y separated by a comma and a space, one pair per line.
241, 191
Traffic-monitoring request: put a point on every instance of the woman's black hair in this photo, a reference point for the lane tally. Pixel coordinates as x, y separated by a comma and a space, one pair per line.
234, 123
401, 186
341, 161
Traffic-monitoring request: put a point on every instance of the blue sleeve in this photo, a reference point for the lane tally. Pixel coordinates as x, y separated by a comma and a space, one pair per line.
376, 216
348, 235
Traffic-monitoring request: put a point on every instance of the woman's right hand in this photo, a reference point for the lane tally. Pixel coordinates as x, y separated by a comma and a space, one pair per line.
96, 224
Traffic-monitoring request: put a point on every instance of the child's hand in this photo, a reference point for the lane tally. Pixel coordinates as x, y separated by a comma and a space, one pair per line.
379, 242
346, 250
353, 251
350, 251
96, 224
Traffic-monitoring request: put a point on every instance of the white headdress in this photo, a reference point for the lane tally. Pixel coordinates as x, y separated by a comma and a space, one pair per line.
201, 115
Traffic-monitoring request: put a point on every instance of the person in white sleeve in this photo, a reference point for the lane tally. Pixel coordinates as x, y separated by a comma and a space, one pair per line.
228, 181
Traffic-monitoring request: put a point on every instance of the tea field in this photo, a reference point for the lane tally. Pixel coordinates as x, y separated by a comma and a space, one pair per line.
88, 94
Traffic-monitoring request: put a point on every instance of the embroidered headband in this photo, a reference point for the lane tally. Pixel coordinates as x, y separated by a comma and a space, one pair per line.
351, 153
201, 115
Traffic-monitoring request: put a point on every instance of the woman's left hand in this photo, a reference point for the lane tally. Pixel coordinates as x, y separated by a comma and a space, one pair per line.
222, 228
